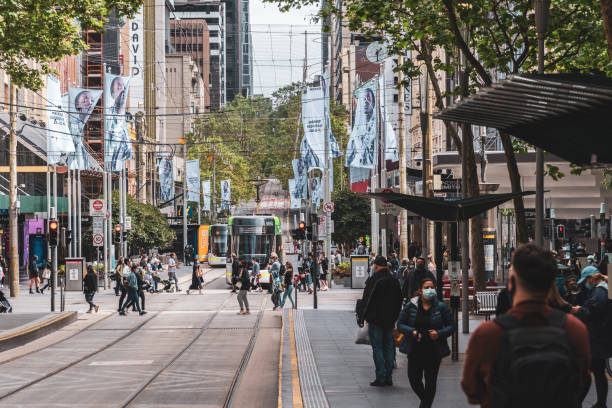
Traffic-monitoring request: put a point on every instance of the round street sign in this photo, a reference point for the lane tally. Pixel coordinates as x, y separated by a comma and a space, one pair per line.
98, 239
328, 207
387, 190
97, 205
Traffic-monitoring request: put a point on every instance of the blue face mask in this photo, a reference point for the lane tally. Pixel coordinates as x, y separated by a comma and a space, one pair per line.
429, 294
588, 286
411, 266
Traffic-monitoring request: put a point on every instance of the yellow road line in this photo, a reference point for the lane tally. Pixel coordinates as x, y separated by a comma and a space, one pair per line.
280, 363
295, 375
28, 329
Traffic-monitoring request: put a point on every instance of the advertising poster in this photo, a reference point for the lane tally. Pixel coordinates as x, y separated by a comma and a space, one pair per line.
362, 146
226, 195
313, 106
117, 143
59, 139
193, 180
166, 177
206, 195
300, 179
81, 102
294, 200
316, 190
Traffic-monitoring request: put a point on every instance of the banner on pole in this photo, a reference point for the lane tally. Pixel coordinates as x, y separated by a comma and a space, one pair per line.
59, 140
193, 180
300, 179
166, 177
81, 102
117, 143
206, 194
362, 145
294, 200
225, 195
316, 190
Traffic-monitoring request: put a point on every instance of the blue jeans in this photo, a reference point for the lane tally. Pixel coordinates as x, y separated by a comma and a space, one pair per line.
288, 292
382, 351
132, 299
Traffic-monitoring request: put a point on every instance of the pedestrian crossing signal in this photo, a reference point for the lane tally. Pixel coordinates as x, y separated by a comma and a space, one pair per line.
560, 231
53, 227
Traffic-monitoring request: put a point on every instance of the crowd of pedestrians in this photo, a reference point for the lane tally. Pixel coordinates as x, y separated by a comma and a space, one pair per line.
540, 351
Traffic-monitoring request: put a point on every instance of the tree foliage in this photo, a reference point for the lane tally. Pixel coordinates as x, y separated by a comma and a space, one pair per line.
351, 216
34, 33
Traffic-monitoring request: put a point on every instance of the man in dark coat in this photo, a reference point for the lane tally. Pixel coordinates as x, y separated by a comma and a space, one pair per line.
412, 284
382, 303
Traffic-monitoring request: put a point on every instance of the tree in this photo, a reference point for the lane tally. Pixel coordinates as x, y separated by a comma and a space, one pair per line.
34, 33
351, 216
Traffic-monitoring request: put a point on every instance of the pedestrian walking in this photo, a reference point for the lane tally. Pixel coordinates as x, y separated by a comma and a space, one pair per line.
46, 276
415, 277
90, 286
288, 280
380, 307
188, 254
172, 271
141, 288
4, 268
119, 276
243, 285
596, 314
426, 323
235, 272
274, 270
196, 277
324, 265
255, 273
132, 292
122, 274
533, 355
338, 258
33, 273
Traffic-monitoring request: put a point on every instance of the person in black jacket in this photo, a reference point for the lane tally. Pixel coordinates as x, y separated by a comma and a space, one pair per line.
244, 283
235, 271
426, 322
415, 277
382, 302
90, 286
33, 273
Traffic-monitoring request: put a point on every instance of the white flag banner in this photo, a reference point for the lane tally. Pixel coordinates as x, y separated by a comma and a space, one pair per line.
333, 143
300, 179
391, 149
193, 180
117, 143
226, 194
294, 200
166, 177
59, 139
316, 190
313, 114
362, 146
81, 103
206, 195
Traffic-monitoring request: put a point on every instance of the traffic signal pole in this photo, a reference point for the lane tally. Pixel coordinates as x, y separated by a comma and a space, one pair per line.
54, 270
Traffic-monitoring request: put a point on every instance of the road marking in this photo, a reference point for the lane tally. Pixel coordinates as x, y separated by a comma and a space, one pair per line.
295, 375
121, 363
280, 362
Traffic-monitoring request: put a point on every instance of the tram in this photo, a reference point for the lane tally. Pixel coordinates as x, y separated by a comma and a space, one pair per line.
217, 252
254, 237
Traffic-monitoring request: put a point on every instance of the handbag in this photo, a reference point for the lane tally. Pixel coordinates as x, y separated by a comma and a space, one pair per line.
363, 336
46, 273
398, 337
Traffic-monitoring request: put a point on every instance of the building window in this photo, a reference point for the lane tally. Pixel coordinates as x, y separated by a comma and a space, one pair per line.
395, 98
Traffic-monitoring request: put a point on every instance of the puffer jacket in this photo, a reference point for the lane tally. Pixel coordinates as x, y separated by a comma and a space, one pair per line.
596, 314
441, 320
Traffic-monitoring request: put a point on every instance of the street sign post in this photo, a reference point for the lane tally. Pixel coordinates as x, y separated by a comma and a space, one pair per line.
328, 207
98, 240
454, 274
97, 207
127, 224
98, 231
386, 207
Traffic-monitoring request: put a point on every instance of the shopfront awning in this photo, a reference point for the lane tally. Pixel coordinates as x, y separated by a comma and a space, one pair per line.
439, 210
566, 114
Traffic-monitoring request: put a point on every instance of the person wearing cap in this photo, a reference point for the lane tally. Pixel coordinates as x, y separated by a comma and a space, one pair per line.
596, 314
381, 305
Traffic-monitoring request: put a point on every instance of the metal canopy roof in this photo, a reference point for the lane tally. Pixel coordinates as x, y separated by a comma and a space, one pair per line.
569, 115
439, 210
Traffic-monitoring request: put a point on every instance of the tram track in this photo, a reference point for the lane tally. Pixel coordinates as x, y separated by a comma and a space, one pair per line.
91, 354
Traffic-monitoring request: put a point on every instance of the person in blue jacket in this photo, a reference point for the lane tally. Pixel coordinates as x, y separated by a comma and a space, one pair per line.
426, 322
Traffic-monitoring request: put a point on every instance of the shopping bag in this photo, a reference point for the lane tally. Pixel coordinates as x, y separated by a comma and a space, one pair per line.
362, 335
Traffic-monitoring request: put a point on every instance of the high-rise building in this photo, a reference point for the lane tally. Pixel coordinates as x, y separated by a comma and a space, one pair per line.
213, 13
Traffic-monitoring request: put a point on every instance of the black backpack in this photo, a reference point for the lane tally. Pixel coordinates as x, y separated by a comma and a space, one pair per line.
537, 366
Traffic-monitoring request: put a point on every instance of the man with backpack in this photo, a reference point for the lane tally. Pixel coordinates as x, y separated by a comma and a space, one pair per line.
533, 355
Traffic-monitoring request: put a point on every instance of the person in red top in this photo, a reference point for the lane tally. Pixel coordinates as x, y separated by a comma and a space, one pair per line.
531, 275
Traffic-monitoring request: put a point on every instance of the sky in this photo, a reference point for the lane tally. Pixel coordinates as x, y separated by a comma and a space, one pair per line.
278, 46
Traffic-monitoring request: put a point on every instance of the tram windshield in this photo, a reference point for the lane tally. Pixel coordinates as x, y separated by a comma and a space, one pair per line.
218, 240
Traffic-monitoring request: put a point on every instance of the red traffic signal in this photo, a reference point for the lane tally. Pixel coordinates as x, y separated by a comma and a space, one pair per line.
53, 225
302, 225
560, 231
52, 236
118, 228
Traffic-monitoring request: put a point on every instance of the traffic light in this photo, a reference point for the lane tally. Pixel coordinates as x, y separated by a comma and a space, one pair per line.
301, 230
560, 231
68, 237
124, 235
53, 227
117, 234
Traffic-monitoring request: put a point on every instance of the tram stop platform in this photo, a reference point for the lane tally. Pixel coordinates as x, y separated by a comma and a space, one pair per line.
17, 329
321, 366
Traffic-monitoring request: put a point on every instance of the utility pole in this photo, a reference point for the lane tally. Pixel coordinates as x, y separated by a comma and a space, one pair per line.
14, 235
121, 213
69, 196
55, 260
542, 8
402, 159
124, 203
327, 184
213, 204
105, 234
425, 139
184, 199
77, 238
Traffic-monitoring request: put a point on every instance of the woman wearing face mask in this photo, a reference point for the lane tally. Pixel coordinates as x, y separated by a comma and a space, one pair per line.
426, 322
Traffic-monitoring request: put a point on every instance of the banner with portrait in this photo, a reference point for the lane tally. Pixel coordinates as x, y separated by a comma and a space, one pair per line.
193, 180
316, 190
362, 146
206, 195
59, 139
294, 201
117, 143
81, 103
309, 159
300, 178
226, 195
165, 169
